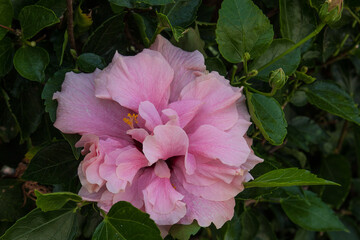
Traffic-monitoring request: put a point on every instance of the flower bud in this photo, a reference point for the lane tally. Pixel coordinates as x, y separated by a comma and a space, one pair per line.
247, 56
277, 78
330, 11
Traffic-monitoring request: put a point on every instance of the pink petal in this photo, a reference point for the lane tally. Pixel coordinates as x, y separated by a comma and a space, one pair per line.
163, 202
130, 80
132, 193
161, 169
148, 112
186, 65
139, 134
79, 111
186, 110
205, 211
219, 102
167, 141
213, 143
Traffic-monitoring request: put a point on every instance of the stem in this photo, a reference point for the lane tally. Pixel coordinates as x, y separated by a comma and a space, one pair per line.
70, 24
301, 42
245, 67
8, 28
341, 45
342, 137
233, 73
270, 94
353, 14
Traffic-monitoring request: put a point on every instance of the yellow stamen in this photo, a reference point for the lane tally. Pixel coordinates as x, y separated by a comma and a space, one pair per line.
131, 119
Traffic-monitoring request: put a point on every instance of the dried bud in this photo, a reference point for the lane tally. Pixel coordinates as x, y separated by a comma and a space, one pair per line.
277, 78
331, 10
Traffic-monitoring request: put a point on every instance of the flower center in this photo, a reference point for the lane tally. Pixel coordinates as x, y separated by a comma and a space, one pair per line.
130, 119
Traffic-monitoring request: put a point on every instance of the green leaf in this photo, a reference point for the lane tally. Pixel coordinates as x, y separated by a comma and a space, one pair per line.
241, 28
126, 222
215, 64
297, 19
288, 63
164, 23
268, 116
72, 139
108, 38
331, 98
182, 12
136, 3
11, 200
191, 41
31, 62
51, 86
6, 16
88, 62
6, 55
34, 18
54, 201
287, 177
311, 214
53, 164
250, 225
147, 25
58, 6
336, 168
183, 232
38, 225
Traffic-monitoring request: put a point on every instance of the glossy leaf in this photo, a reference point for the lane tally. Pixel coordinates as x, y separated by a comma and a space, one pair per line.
38, 225
215, 64
331, 98
182, 12
311, 214
6, 15
54, 201
268, 116
287, 177
51, 86
52, 164
88, 62
34, 18
297, 19
288, 63
241, 28
184, 232
31, 62
127, 223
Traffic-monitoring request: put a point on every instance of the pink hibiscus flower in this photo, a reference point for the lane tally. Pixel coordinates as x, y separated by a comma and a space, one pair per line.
160, 132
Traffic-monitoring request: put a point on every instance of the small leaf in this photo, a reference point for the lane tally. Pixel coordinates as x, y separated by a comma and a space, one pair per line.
215, 64
72, 139
287, 177
31, 62
126, 222
6, 16
241, 28
311, 214
6, 55
164, 23
288, 63
54, 201
331, 98
38, 225
53, 164
88, 62
336, 168
34, 18
183, 232
268, 116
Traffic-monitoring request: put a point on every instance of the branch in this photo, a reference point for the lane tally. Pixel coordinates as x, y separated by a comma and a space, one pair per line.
70, 24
